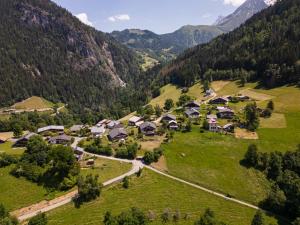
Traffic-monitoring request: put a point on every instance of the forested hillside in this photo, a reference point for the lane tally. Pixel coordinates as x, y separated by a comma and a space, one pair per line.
265, 48
45, 51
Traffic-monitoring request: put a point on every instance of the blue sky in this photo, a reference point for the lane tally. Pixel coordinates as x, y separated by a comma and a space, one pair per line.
160, 16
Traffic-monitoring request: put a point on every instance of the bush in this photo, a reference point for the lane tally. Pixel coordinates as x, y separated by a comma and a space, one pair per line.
129, 152
126, 182
40, 219
6, 160
154, 156
106, 151
89, 188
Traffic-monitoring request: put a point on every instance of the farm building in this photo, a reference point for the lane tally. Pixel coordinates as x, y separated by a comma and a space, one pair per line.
76, 128
117, 134
211, 116
148, 128
229, 128
22, 142
192, 113
173, 125
225, 113
213, 125
192, 105
168, 117
51, 128
61, 140
114, 124
219, 100
134, 120
98, 131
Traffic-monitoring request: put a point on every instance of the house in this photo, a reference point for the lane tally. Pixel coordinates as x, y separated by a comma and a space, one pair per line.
90, 162
173, 125
147, 128
76, 128
225, 113
213, 125
134, 120
51, 128
211, 116
168, 117
103, 122
229, 128
22, 142
79, 153
192, 113
117, 134
192, 105
61, 140
114, 124
98, 131
219, 100
209, 92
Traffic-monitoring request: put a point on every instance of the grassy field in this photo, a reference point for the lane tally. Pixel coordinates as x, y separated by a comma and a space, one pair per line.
16, 193
153, 192
7, 148
168, 91
33, 103
107, 169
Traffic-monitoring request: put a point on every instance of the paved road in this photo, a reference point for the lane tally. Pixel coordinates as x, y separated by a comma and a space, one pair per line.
45, 206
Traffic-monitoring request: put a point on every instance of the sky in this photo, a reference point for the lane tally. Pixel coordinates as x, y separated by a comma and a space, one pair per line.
160, 16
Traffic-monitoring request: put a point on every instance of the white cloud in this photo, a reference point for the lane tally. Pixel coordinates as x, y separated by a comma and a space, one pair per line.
121, 17
234, 2
83, 17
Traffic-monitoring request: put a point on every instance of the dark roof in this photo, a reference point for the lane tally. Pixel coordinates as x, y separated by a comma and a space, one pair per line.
147, 124
192, 103
63, 137
191, 112
116, 132
169, 116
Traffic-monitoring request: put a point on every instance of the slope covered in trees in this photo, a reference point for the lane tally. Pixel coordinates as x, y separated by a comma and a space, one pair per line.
265, 48
45, 51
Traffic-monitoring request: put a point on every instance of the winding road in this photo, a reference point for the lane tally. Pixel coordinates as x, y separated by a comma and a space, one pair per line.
45, 206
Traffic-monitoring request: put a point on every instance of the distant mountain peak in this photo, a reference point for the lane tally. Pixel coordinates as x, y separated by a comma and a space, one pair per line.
270, 2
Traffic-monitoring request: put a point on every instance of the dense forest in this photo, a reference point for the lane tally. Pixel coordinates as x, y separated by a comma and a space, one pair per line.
265, 48
45, 51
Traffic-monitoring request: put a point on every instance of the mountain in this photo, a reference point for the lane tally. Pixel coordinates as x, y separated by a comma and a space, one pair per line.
166, 46
265, 48
243, 13
47, 52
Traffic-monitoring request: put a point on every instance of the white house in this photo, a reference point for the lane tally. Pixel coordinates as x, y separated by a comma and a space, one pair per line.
97, 131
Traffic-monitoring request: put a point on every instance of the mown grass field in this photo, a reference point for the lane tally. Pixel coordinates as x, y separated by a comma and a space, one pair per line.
16, 193
156, 193
8, 149
213, 159
33, 103
168, 91
107, 169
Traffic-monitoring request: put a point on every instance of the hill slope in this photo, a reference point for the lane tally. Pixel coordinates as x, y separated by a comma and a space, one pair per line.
45, 51
266, 47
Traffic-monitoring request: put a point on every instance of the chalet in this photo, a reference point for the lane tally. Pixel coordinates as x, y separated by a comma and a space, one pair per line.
209, 92
117, 134
148, 128
103, 122
98, 131
229, 128
51, 128
79, 153
192, 113
192, 105
114, 124
134, 120
61, 140
213, 125
219, 100
211, 116
76, 128
22, 142
173, 125
225, 113
168, 117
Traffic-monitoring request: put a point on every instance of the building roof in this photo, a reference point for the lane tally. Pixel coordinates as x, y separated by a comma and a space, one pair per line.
172, 122
147, 124
135, 119
192, 103
228, 125
76, 128
212, 121
139, 123
211, 116
224, 109
104, 121
170, 116
28, 136
113, 123
116, 132
98, 130
52, 127
225, 99
63, 137
191, 112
